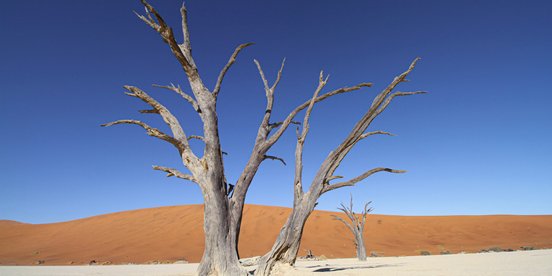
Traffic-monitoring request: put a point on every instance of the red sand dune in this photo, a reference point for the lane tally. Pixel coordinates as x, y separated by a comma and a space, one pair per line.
173, 233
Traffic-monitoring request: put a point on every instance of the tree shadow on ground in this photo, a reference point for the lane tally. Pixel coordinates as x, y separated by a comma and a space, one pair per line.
333, 268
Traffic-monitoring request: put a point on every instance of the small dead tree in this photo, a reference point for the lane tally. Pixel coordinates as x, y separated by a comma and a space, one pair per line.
223, 202
284, 250
356, 225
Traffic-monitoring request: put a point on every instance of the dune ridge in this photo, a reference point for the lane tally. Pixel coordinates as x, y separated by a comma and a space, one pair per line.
176, 233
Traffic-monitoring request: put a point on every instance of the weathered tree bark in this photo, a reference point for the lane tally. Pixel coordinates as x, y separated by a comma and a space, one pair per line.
283, 254
223, 208
284, 250
356, 226
265, 140
219, 257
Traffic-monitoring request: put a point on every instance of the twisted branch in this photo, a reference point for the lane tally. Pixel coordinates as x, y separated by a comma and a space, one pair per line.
269, 92
179, 91
274, 158
183, 51
272, 126
349, 225
264, 142
377, 132
174, 172
186, 45
299, 108
298, 179
167, 116
397, 94
227, 66
380, 102
357, 179
196, 137
150, 130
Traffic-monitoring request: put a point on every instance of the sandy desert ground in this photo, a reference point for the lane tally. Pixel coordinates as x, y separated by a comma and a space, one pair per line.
538, 262
168, 234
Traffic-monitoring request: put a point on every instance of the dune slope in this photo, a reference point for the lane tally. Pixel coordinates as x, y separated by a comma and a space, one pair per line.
175, 233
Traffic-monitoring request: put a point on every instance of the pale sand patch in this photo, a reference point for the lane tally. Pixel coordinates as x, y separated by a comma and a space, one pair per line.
537, 262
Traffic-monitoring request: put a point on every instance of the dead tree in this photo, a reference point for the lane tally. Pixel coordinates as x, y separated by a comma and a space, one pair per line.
223, 208
356, 225
284, 250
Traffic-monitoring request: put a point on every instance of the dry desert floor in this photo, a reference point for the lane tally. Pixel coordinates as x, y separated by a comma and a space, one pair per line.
537, 262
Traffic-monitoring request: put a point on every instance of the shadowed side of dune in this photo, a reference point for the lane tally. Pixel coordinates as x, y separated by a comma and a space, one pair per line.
175, 233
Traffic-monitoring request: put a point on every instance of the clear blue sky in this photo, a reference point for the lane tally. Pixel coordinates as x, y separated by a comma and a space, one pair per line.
479, 143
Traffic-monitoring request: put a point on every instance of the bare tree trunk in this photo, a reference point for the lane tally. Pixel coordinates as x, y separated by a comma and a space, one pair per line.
356, 226
284, 251
360, 248
219, 256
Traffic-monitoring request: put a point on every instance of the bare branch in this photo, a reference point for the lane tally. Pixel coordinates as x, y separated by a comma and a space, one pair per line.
263, 143
167, 116
272, 126
400, 78
278, 76
321, 83
182, 54
148, 111
299, 108
261, 73
333, 177
261, 147
397, 94
185, 33
375, 133
174, 172
275, 158
196, 137
349, 211
148, 20
151, 132
149, 9
264, 127
378, 105
364, 214
298, 179
361, 177
269, 90
285, 247
227, 66
344, 222
179, 91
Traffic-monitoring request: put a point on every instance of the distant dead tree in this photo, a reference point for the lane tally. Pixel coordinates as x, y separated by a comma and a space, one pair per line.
223, 202
356, 225
284, 250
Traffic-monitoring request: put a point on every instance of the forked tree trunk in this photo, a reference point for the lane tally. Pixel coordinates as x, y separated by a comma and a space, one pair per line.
219, 256
265, 140
285, 250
